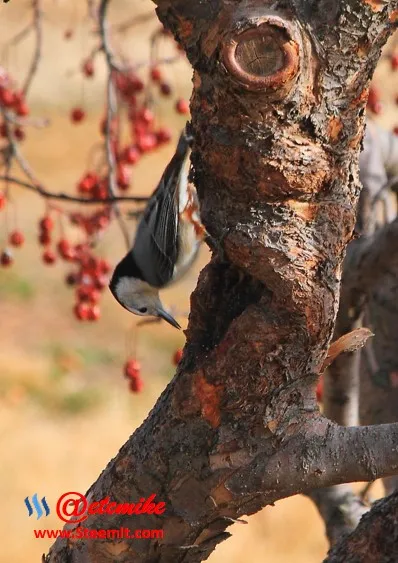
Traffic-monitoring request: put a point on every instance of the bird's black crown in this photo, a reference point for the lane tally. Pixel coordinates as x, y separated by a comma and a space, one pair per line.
126, 268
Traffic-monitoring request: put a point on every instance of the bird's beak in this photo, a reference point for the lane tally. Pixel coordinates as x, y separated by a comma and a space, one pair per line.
168, 318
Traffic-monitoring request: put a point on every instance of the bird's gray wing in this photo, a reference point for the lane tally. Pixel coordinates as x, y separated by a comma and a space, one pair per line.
156, 244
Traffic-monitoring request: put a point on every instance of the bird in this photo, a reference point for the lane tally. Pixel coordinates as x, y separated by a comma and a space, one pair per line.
166, 243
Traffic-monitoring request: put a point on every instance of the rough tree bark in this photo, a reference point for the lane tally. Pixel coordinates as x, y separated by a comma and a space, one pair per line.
369, 259
277, 113
375, 539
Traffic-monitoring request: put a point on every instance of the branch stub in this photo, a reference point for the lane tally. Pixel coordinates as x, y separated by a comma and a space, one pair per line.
262, 57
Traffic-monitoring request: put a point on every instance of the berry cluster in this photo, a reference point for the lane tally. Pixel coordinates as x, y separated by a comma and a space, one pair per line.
132, 371
14, 102
127, 135
90, 274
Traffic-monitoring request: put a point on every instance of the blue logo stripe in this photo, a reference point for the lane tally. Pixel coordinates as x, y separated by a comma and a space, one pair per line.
44, 503
28, 506
37, 506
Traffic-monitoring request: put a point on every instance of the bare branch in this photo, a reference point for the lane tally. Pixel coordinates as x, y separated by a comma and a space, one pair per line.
111, 112
70, 198
37, 25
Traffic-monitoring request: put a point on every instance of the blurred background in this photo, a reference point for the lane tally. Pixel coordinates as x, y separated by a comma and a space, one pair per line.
65, 405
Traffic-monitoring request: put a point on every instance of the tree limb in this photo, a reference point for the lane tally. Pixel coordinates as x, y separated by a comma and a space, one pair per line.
70, 198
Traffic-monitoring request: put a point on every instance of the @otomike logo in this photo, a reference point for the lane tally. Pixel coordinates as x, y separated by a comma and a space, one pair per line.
40, 507
73, 507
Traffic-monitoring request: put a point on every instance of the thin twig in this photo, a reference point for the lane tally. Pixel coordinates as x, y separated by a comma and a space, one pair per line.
19, 36
38, 28
364, 493
91, 9
111, 111
104, 35
70, 198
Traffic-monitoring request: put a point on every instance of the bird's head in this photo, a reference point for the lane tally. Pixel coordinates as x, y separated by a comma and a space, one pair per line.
139, 298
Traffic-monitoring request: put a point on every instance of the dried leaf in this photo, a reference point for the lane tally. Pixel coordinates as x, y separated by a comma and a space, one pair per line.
348, 343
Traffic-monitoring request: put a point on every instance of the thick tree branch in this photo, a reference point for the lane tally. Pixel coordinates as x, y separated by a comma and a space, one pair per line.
238, 482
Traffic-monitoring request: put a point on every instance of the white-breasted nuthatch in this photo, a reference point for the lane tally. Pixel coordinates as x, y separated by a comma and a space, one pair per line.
166, 244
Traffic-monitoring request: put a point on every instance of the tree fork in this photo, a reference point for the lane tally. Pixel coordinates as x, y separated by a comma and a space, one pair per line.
279, 95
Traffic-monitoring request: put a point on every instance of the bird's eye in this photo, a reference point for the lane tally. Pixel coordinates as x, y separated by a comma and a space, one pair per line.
143, 310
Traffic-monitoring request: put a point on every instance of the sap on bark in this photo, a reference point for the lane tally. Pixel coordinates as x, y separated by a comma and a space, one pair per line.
265, 55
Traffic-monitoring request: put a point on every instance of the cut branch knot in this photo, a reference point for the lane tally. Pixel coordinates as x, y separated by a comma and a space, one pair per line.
263, 57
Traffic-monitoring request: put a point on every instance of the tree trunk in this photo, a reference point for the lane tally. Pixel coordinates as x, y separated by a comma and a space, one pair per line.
277, 115
374, 540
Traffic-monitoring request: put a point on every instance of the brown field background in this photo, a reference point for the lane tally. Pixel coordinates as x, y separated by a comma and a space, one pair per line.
64, 405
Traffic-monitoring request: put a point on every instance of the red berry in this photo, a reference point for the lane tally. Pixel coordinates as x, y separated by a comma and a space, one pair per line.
44, 238
131, 155
71, 279
136, 85
77, 115
94, 313
102, 222
136, 385
18, 97
374, 95
121, 82
87, 183
6, 97
376, 108
156, 74
81, 311
104, 266
182, 106
394, 61
132, 369
6, 258
147, 142
147, 116
49, 256
3, 130
22, 108
46, 224
165, 89
395, 130
163, 135
88, 68
65, 250
177, 356
16, 238
2, 200
19, 133
88, 294
101, 282
100, 191
123, 178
